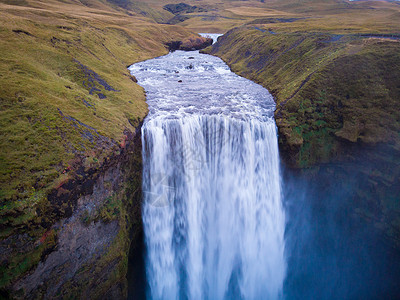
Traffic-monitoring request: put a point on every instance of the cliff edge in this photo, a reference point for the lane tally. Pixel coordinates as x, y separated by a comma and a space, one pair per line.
337, 111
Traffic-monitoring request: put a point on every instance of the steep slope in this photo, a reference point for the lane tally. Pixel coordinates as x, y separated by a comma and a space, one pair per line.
69, 160
337, 108
329, 88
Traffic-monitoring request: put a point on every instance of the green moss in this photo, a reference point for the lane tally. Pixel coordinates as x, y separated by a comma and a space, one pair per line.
109, 210
21, 263
337, 102
66, 101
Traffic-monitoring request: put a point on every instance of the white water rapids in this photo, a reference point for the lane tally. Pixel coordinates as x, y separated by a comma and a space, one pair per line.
212, 213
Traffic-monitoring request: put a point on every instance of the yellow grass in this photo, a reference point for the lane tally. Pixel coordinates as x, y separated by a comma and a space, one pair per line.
256, 12
41, 45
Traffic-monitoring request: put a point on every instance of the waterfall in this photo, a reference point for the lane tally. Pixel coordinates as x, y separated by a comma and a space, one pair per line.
212, 212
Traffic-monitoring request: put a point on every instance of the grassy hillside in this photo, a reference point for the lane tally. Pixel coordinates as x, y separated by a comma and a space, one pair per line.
317, 15
67, 103
336, 83
331, 65
66, 90
328, 87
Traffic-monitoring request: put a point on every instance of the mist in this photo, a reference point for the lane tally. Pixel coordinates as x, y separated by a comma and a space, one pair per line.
333, 250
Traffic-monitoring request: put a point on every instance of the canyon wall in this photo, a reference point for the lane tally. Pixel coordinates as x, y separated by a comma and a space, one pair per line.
84, 254
337, 110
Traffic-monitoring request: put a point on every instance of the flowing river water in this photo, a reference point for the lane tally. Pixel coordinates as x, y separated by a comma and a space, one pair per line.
213, 217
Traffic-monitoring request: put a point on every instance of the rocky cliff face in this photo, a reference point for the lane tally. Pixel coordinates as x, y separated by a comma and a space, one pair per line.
84, 254
337, 109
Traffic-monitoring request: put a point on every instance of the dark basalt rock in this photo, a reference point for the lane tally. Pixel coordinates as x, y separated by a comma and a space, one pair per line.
189, 44
196, 44
93, 82
83, 224
173, 45
133, 78
177, 19
22, 31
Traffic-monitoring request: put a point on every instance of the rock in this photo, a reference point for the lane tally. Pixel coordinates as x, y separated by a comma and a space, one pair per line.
195, 43
177, 19
90, 242
173, 45
182, 8
133, 78
189, 44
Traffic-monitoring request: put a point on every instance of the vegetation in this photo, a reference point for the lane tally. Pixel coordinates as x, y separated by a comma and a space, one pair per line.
68, 92
331, 84
67, 101
333, 69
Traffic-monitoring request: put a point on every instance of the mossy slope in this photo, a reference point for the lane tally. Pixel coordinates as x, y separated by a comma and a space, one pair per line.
329, 88
337, 109
68, 107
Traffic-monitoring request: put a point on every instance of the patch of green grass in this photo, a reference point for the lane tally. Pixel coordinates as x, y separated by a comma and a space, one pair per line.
110, 210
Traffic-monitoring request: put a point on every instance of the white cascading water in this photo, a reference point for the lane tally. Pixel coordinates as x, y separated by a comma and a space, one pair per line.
213, 217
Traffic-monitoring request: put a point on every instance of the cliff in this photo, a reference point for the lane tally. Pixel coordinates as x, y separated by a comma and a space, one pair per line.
91, 221
337, 109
